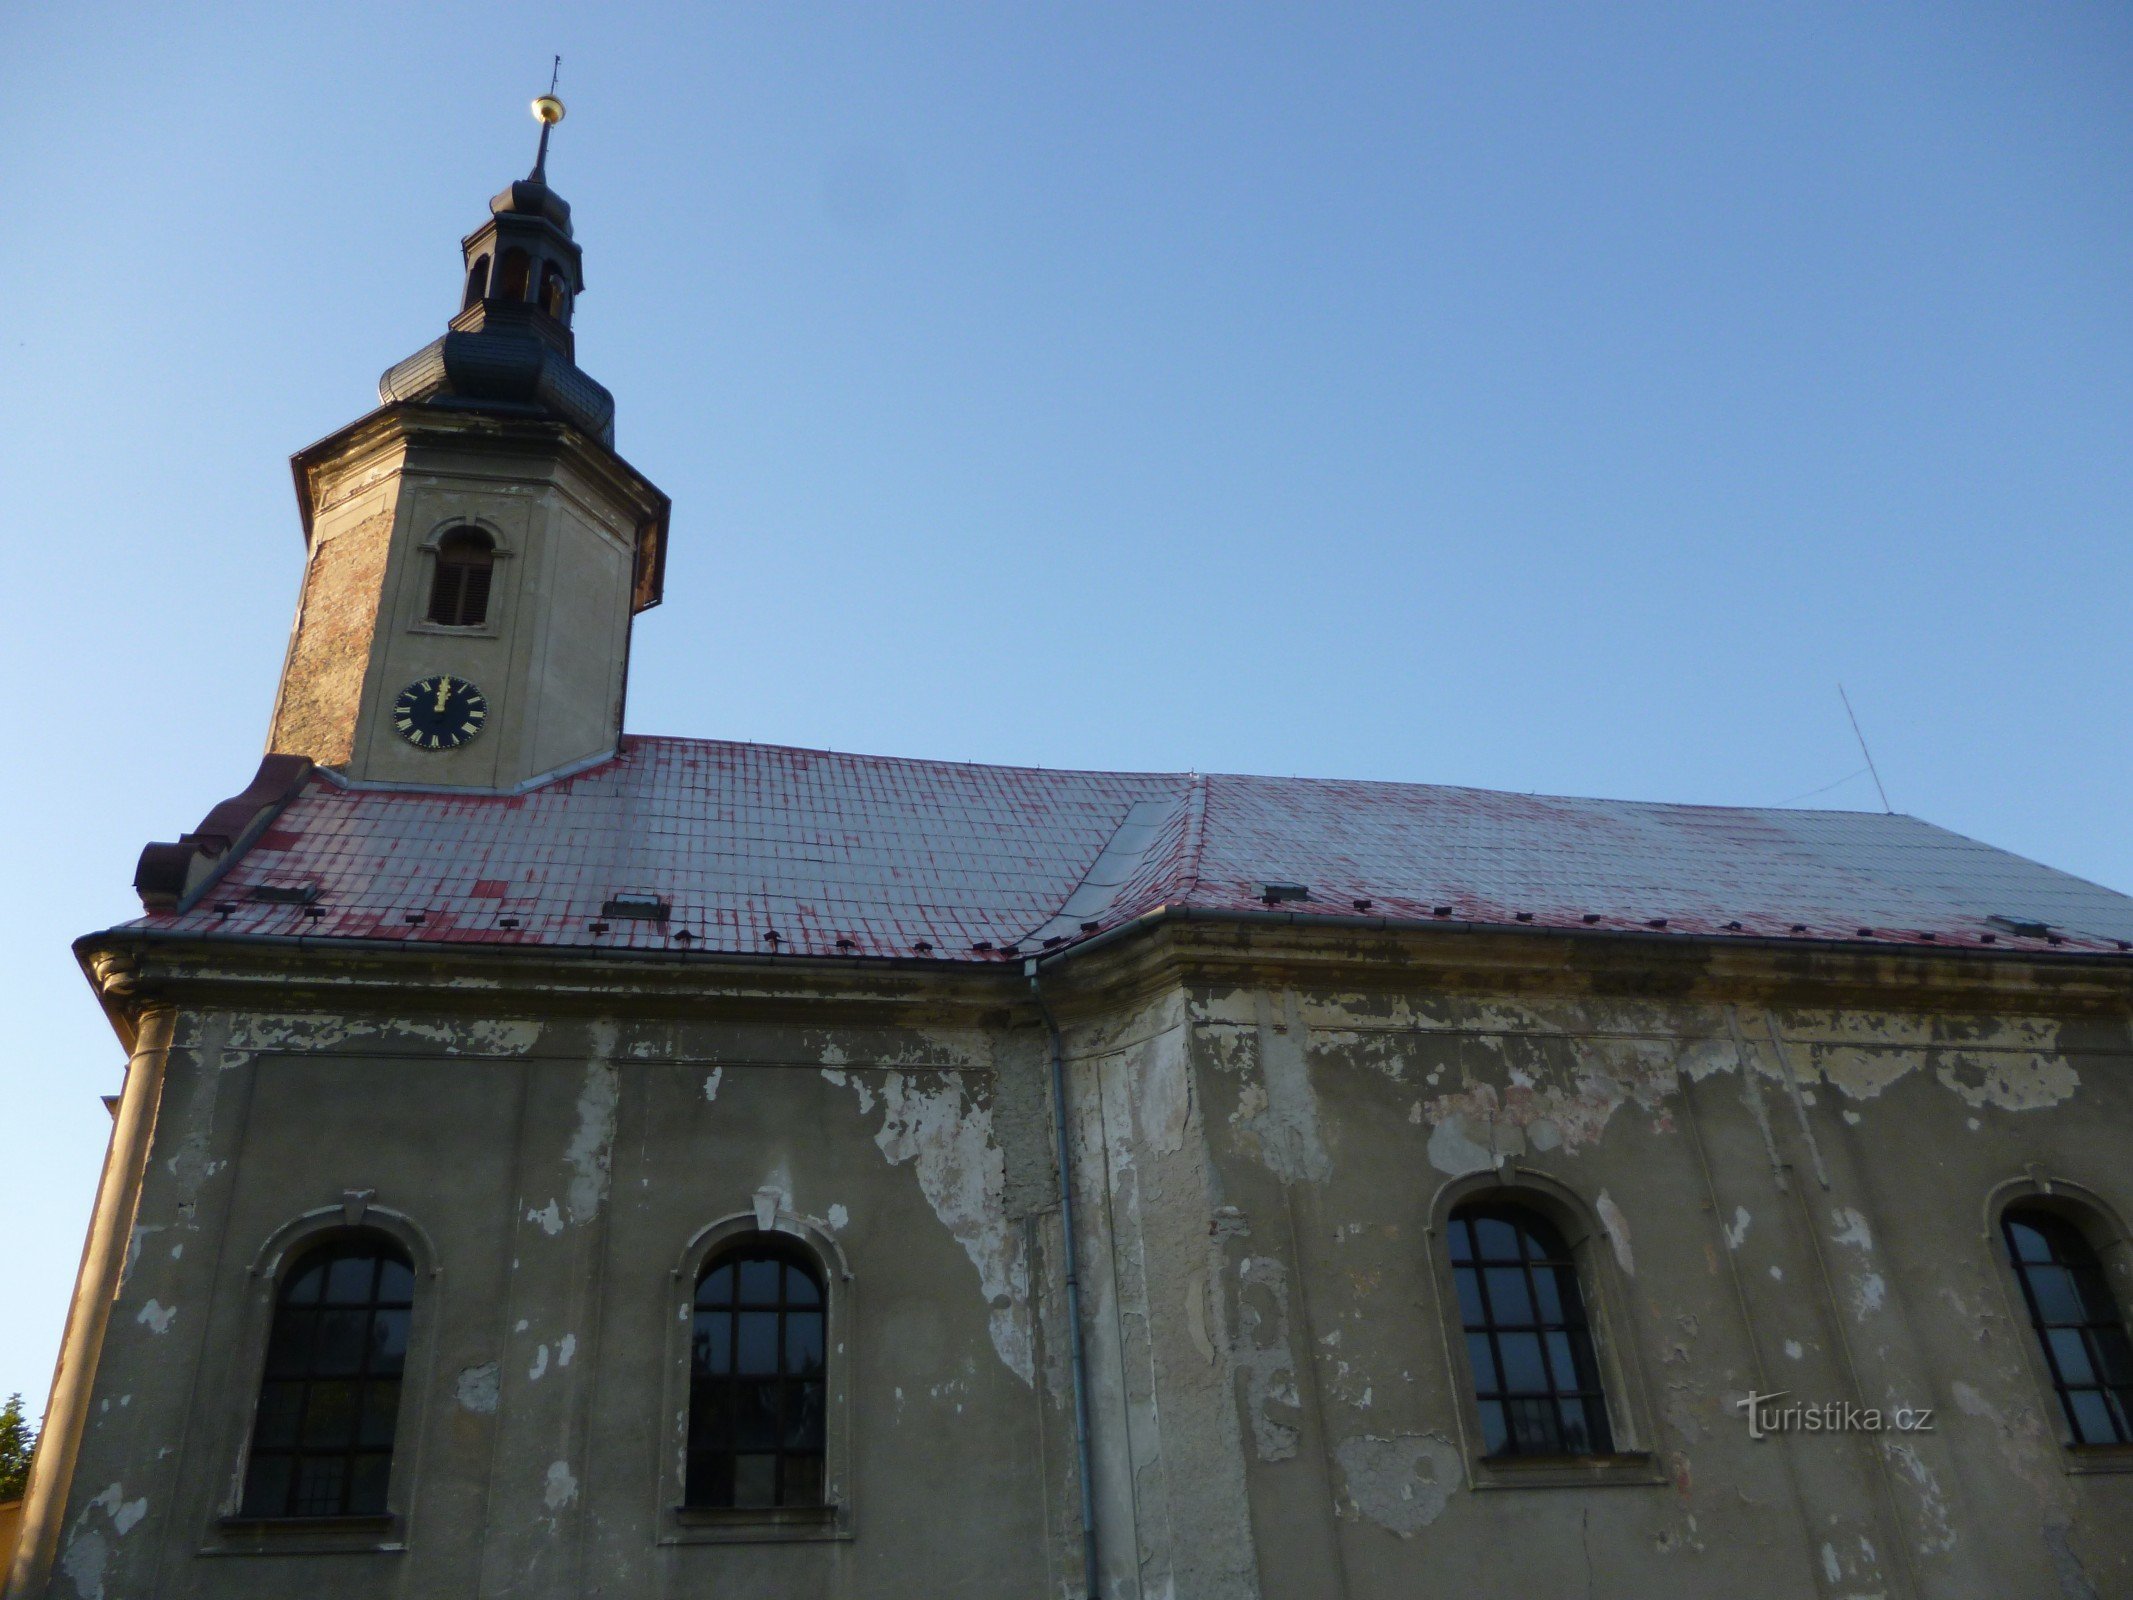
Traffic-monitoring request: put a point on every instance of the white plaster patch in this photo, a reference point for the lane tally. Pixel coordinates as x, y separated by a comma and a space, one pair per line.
1792, 1349
2007, 1079
1869, 1291
1737, 1229
1851, 1228
289, 1031
566, 1349
1402, 1484
540, 1365
1260, 1349
711, 1082
1284, 1121
963, 1175
88, 1553
550, 1218
839, 1218
1832, 1569
1166, 1092
1936, 1533
476, 1388
1617, 1227
157, 1317
1454, 1152
562, 1489
590, 1154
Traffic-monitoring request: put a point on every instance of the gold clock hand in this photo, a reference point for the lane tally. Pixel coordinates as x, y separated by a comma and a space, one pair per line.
444, 690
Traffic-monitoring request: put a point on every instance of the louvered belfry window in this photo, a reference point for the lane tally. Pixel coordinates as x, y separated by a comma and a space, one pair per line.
757, 1380
322, 1441
1528, 1342
2077, 1322
459, 593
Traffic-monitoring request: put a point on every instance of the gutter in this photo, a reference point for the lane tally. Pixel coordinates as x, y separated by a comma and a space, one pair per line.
1352, 922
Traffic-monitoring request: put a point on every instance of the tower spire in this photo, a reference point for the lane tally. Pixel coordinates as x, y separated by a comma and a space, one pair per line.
511, 345
548, 111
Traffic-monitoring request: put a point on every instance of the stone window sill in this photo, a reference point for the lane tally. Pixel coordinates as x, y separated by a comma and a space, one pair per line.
2099, 1458
755, 1524
1627, 1468
481, 630
250, 1536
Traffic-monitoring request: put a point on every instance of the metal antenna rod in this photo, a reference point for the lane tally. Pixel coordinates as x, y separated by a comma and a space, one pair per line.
1870, 767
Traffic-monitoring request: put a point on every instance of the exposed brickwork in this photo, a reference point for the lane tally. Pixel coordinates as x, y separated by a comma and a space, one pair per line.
322, 690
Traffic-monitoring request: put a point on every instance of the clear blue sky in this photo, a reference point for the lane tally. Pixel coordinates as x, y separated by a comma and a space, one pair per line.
1552, 398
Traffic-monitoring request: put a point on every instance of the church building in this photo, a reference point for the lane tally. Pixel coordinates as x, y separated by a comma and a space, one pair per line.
556, 1161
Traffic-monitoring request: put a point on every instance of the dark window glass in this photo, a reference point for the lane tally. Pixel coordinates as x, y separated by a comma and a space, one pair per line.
459, 591
322, 1439
477, 281
1527, 1340
2077, 1323
512, 276
757, 1380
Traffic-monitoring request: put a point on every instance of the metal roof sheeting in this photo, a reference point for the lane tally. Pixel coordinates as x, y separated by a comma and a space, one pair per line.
847, 855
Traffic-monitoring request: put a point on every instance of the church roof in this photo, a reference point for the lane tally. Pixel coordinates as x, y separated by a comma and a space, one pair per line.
747, 848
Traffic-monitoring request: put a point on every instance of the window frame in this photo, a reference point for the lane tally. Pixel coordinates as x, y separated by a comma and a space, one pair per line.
501, 551
2101, 1227
231, 1532
680, 1523
1623, 1385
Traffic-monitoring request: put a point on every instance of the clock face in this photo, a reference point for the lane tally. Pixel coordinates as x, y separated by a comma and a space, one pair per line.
440, 713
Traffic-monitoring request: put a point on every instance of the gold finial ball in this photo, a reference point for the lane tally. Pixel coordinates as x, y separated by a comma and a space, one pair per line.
547, 108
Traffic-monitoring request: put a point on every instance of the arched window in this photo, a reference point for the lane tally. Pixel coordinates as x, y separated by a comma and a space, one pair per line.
757, 1379
555, 293
1536, 1379
513, 276
322, 1441
477, 282
459, 591
2077, 1322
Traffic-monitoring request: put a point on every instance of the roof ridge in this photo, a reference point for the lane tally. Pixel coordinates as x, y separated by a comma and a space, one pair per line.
1195, 843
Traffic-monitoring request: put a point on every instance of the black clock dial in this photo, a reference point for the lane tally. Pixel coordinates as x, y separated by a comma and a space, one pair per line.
440, 713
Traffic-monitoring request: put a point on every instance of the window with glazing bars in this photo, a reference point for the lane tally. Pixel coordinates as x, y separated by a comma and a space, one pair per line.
1535, 1375
2077, 1322
757, 1380
459, 592
322, 1441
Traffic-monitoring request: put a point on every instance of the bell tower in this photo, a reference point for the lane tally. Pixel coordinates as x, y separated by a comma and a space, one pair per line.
475, 551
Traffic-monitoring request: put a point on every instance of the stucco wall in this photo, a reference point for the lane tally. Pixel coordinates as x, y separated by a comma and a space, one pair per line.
558, 1172
1835, 1242
1764, 1196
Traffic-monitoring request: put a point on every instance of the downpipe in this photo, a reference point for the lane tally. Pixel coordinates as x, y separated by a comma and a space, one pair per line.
1077, 1347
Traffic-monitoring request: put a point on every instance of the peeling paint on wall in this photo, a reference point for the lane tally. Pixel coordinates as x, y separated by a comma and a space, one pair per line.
1262, 1357
87, 1555
2010, 1082
1402, 1483
1935, 1532
561, 1488
963, 1176
1616, 1227
476, 1388
157, 1317
590, 1155
502, 1036
1737, 1229
1281, 1120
